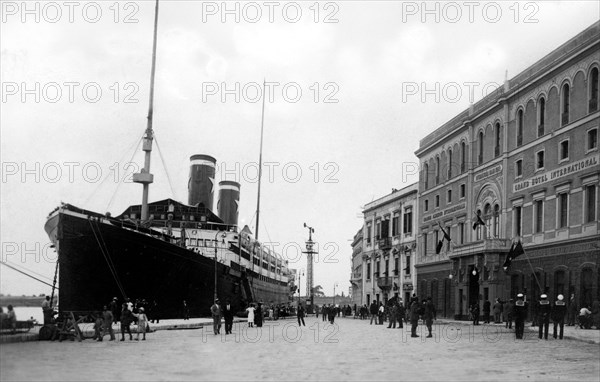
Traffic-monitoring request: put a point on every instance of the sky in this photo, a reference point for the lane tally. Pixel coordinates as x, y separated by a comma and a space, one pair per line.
352, 86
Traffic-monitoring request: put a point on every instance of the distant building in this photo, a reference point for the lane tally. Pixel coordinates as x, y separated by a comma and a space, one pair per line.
524, 159
389, 246
356, 273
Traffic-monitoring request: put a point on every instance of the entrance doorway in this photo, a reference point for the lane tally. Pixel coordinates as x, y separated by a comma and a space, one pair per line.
473, 286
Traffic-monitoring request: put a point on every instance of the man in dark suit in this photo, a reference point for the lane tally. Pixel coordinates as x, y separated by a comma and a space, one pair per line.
228, 316
414, 316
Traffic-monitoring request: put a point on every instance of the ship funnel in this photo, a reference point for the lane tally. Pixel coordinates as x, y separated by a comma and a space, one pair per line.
202, 179
229, 197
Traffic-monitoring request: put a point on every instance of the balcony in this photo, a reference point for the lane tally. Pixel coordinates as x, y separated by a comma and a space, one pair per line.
385, 243
540, 130
564, 119
593, 105
384, 282
481, 246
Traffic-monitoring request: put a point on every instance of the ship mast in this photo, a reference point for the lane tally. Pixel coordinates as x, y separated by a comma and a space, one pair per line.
144, 176
262, 124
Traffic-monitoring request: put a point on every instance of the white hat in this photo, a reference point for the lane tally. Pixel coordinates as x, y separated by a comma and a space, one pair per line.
520, 295
543, 296
560, 297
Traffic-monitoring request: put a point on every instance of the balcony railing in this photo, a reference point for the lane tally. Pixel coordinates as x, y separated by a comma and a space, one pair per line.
384, 282
540, 130
593, 105
565, 118
385, 243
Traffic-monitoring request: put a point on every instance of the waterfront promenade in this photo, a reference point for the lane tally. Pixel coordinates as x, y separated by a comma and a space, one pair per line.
349, 350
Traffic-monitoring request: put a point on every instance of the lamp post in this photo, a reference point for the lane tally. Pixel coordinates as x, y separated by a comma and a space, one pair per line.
300, 274
334, 286
216, 247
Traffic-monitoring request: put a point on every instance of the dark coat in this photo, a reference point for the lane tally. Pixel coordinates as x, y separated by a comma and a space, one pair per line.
126, 317
228, 313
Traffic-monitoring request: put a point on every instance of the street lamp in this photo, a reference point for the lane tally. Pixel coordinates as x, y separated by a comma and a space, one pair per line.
334, 286
216, 247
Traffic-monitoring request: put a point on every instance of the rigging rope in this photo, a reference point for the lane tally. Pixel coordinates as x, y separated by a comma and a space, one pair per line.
54, 283
26, 274
120, 183
164, 163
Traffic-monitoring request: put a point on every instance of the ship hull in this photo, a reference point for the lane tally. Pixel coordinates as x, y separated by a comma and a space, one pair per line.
99, 259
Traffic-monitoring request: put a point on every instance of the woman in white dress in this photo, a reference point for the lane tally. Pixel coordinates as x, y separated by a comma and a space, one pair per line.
250, 309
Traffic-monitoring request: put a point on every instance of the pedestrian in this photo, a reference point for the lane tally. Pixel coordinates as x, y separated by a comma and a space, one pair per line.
126, 320
215, 310
250, 309
115, 309
544, 316
508, 310
520, 313
373, 309
12, 319
486, 311
585, 318
142, 321
559, 310
185, 311
332, 313
155, 314
228, 316
259, 315
325, 312
393, 313
381, 313
47, 310
98, 323
475, 313
107, 321
429, 315
401, 312
414, 317
596, 313
300, 315
497, 311
572, 311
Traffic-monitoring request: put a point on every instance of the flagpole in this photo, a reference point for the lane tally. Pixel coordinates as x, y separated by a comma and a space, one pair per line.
532, 270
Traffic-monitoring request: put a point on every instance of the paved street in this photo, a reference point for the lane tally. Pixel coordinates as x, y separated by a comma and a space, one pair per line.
350, 350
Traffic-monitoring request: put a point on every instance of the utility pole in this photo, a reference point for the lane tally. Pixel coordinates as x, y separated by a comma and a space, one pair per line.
310, 251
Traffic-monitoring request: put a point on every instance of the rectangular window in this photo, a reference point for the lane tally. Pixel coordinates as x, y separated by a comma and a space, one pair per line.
592, 139
449, 230
449, 197
408, 221
437, 201
590, 204
461, 232
462, 191
519, 167
396, 266
378, 230
426, 205
436, 237
539, 215
564, 150
407, 269
540, 160
563, 210
517, 221
424, 244
395, 226
369, 270
369, 234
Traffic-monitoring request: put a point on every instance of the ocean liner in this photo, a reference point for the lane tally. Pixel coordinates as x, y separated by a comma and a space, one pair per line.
166, 251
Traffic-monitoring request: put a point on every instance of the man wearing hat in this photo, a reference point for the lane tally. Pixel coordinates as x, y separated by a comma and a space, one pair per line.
520, 313
544, 316
215, 309
559, 311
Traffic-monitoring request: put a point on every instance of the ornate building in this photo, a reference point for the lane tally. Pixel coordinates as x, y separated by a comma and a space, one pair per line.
356, 274
524, 162
389, 246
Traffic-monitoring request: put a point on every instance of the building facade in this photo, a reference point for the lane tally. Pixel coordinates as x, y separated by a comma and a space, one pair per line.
356, 273
389, 246
524, 163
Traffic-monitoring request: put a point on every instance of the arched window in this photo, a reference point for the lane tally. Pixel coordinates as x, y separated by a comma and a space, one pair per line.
480, 148
594, 90
463, 157
437, 171
497, 140
426, 175
541, 116
565, 103
487, 218
478, 231
520, 127
496, 221
449, 163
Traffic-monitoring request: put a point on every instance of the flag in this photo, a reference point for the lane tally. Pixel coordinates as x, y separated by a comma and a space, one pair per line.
440, 244
516, 249
438, 247
478, 222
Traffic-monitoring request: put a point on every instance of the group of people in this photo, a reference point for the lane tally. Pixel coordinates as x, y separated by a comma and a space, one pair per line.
8, 320
128, 315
